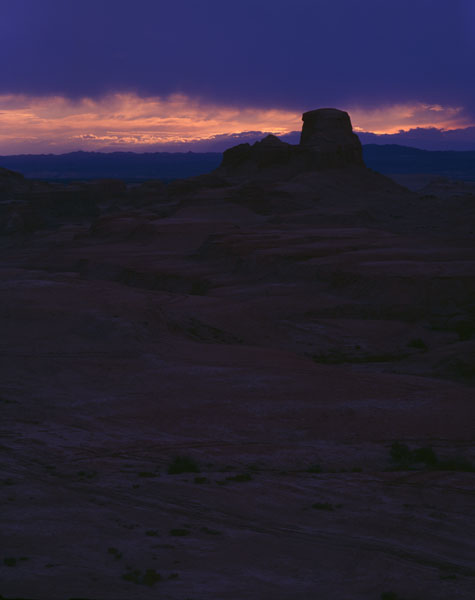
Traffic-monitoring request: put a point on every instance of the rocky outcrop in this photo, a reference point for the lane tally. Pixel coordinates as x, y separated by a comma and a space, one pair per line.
327, 141
328, 132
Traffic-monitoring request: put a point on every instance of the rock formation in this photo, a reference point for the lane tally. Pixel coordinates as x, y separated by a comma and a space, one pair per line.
328, 132
327, 141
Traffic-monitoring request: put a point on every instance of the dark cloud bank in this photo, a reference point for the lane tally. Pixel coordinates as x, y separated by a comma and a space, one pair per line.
297, 55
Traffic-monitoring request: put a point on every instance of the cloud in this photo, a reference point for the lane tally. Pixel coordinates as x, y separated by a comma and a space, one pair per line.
389, 119
56, 124
426, 138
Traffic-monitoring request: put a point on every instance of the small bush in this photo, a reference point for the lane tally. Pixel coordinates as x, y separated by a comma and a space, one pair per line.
458, 463
10, 561
150, 577
425, 455
240, 478
183, 464
400, 453
323, 506
132, 576
314, 469
465, 330
390, 596
146, 474
115, 552
179, 532
210, 531
417, 343
407, 458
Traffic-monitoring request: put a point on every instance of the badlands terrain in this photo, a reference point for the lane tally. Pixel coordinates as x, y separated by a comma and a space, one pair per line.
253, 384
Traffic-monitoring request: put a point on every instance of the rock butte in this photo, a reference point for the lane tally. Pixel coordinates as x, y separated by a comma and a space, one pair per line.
281, 322
327, 141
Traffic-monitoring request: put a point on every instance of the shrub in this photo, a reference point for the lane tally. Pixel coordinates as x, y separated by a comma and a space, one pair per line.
465, 330
406, 458
400, 453
417, 343
10, 561
240, 478
390, 596
314, 469
323, 506
150, 577
425, 455
115, 552
183, 464
179, 532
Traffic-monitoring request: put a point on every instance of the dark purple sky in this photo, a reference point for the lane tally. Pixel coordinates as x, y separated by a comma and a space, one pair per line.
273, 54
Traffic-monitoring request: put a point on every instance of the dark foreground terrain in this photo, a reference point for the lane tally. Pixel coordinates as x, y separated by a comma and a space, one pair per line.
238, 386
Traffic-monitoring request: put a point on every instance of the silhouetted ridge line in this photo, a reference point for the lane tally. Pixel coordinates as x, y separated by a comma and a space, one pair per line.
327, 141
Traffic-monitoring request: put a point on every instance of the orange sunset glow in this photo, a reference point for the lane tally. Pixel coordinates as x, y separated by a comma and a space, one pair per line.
126, 121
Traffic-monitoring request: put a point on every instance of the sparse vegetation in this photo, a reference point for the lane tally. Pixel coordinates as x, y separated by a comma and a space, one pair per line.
183, 464
338, 357
460, 367
115, 552
87, 474
226, 468
199, 287
201, 480
254, 468
210, 531
7, 401
241, 478
405, 458
417, 343
314, 469
179, 532
390, 596
323, 506
465, 329
150, 577
147, 474
458, 463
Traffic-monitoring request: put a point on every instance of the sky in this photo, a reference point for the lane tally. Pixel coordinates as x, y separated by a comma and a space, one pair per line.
205, 74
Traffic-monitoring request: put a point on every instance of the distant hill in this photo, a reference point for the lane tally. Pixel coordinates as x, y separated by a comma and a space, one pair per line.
131, 166
392, 159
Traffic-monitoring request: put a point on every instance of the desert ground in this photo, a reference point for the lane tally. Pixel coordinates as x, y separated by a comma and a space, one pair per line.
238, 387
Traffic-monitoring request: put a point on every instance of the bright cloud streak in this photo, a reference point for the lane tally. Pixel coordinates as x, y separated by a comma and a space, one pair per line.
392, 119
126, 121
57, 124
